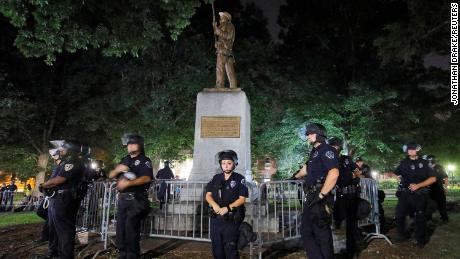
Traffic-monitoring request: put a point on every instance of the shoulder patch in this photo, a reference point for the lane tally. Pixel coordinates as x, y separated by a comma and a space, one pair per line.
243, 181
148, 164
68, 167
330, 154
420, 165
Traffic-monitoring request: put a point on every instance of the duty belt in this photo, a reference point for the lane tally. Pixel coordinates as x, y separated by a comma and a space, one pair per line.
423, 190
350, 189
62, 191
130, 195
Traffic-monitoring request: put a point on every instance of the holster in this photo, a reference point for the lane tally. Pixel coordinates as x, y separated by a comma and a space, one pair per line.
321, 212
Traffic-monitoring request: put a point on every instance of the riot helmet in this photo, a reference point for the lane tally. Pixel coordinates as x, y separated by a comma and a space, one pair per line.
227, 155
132, 138
334, 141
318, 129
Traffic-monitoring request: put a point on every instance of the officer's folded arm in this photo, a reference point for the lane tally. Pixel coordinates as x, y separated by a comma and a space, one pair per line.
125, 183
331, 180
211, 202
239, 202
53, 182
427, 182
118, 170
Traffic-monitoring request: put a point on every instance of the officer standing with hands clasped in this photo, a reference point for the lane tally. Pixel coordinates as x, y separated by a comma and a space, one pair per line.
134, 174
416, 176
65, 202
322, 172
226, 194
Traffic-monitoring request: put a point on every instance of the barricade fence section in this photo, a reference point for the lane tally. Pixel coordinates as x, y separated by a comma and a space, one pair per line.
180, 211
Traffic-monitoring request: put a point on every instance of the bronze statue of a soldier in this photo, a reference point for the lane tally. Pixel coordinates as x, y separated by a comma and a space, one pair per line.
225, 33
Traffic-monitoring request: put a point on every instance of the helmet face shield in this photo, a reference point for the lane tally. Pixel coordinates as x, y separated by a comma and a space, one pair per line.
130, 138
411, 146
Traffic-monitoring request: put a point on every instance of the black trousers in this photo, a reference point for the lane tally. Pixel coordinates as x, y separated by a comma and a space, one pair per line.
316, 238
224, 238
437, 194
345, 208
128, 229
62, 215
412, 203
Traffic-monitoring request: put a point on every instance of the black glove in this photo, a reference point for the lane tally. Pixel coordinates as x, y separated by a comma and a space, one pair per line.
316, 200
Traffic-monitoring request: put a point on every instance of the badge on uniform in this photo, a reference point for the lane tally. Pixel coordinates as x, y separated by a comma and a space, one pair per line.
68, 167
420, 165
148, 164
232, 184
347, 161
330, 154
137, 162
412, 167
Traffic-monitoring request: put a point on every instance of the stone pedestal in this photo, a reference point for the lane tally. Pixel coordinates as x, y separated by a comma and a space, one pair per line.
222, 121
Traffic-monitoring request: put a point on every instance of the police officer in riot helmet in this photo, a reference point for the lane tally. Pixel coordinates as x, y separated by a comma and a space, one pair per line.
226, 194
321, 173
416, 177
134, 174
438, 190
347, 194
65, 201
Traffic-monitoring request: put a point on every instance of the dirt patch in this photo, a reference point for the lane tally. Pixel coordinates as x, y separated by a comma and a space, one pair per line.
18, 242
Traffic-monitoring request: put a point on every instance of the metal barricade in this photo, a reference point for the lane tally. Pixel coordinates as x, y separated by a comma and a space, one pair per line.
89, 217
279, 212
369, 192
180, 210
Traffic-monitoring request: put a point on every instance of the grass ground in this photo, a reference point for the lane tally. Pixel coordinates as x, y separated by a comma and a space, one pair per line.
21, 218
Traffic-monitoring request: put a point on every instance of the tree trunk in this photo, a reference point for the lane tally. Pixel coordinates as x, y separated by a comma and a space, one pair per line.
40, 177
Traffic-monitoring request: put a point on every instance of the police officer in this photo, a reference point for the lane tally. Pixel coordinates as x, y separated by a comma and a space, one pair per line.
322, 172
164, 174
226, 194
364, 169
439, 188
64, 204
347, 194
43, 212
416, 176
134, 174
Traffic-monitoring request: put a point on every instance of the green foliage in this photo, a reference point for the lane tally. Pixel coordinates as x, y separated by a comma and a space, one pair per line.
388, 184
19, 161
46, 28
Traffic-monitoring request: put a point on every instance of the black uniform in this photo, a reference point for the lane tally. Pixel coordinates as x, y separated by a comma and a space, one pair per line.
131, 207
413, 171
347, 193
365, 170
63, 208
225, 229
164, 174
315, 228
437, 191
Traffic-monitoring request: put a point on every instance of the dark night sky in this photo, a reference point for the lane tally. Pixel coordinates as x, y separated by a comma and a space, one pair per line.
271, 10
